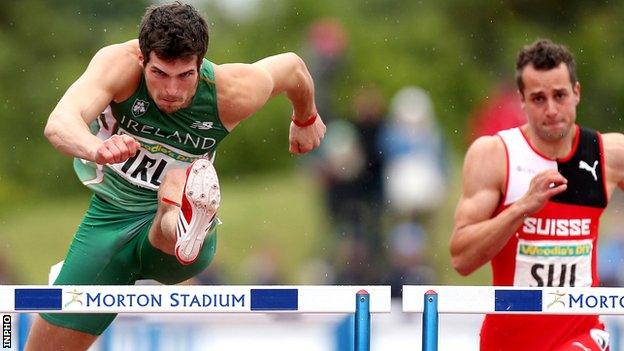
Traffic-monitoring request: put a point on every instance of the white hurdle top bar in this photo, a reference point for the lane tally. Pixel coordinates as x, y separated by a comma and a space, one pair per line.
189, 299
517, 300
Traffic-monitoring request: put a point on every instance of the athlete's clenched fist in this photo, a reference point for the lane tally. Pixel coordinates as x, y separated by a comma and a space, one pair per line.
116, 149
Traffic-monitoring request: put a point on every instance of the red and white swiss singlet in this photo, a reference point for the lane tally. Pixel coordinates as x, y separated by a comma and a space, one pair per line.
553, 247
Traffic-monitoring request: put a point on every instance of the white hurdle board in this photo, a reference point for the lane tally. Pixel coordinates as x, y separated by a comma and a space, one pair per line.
190, 298
517, 300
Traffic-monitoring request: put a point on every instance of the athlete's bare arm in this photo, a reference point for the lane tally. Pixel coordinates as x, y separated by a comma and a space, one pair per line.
112, 75
477, 237
244, 88
613, 144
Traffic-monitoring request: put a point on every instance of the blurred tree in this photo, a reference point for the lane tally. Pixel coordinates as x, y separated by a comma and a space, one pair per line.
455, 50
46, 45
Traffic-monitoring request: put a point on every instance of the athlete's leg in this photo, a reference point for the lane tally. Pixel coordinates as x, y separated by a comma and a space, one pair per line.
101, 253
46, 336
162, 234
187, 204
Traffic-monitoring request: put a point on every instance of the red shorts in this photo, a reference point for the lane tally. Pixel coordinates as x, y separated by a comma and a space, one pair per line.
543, 333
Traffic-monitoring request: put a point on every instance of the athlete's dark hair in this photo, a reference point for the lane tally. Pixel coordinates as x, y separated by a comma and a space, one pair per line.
173, 31
544, 55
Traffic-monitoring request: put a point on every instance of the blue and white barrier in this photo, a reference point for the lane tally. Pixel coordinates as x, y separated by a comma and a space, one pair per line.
506, 300
521, 300
189, 299
359, 300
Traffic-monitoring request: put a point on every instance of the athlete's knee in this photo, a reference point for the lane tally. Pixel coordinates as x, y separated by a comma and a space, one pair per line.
174, 176
172, 185
47, 336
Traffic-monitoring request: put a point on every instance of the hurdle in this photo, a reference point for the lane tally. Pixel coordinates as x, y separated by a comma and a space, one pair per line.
246, 299
433, 300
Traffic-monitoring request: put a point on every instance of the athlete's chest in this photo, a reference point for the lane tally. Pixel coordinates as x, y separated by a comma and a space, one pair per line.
583, 169
190, 131
573, 214
555, 246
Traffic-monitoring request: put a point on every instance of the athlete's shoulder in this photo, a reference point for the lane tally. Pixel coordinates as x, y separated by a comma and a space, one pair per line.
120, 54
614, 140
613, 145
490, 147
118, 66
486, 162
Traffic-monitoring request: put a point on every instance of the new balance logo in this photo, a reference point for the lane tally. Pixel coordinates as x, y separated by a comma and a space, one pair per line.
202, 125
583, 165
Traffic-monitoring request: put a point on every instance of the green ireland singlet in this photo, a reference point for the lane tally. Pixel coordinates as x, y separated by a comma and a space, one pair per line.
111, 245
167, 141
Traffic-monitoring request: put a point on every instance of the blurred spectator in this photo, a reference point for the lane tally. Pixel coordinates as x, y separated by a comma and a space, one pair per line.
611, 258
416, 165
408, 256
348, 160
499, 112
368, 105
327, 41
341, 162
415, 176
611, 243
261, 266
350, 165
316, 271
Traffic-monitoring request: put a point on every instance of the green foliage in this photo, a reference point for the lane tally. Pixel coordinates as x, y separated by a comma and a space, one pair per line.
458, 51
46, 45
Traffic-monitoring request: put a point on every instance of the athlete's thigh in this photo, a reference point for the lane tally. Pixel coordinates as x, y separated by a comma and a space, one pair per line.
101, 253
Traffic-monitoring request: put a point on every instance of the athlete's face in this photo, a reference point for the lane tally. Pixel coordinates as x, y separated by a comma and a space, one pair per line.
549, 100
171, 84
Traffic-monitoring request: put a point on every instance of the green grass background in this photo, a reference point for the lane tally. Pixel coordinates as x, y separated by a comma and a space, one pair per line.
281, 213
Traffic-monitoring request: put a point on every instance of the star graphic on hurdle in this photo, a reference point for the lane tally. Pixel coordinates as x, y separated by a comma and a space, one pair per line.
557, 298
75, 297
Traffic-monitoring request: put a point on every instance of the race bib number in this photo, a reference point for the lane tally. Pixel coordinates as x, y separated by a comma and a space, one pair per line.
554, 263
147, 168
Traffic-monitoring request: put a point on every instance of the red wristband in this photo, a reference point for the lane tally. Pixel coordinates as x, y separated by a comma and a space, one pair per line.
308, 122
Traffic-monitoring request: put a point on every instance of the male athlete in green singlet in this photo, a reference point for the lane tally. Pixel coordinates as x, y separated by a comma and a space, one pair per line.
143, 123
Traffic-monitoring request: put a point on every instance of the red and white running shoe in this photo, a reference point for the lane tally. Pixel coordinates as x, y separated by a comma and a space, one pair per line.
198, 210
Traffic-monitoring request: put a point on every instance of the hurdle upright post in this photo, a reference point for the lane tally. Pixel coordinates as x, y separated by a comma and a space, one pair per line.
430, 322
23, 328
362, 321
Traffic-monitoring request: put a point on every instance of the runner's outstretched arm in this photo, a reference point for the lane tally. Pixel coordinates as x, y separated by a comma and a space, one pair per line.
244, 88
104, 80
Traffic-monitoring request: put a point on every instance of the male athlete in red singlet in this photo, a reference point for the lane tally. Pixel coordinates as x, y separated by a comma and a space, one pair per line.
531, 202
